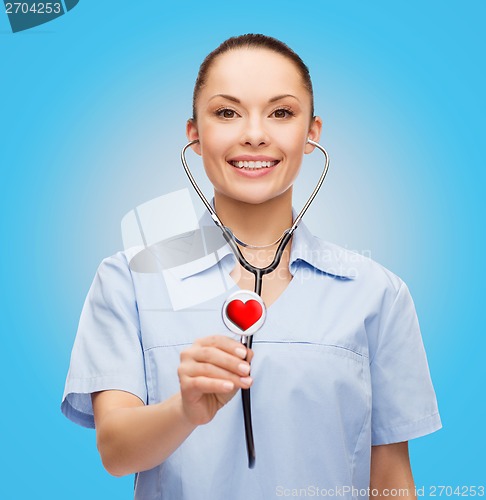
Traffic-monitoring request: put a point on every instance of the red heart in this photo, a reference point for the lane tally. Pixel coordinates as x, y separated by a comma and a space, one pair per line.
244, 314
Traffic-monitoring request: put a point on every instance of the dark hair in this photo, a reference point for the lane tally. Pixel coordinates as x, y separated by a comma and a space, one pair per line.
258, 41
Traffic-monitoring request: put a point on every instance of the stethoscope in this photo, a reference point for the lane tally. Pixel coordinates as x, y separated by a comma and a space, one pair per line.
231, 323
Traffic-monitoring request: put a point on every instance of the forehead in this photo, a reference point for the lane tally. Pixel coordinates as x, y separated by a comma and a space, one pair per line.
253, 72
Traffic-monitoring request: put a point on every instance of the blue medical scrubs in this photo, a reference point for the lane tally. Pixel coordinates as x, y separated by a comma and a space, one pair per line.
339, 366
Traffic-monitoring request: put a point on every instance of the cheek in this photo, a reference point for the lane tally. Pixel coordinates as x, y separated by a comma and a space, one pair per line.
216, 139
292, 144
215, 142
291, 136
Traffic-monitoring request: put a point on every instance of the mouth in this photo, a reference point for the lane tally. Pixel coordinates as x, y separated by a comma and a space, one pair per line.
253, 165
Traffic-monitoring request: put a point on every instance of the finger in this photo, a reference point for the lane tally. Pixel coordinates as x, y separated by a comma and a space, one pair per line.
227, 344
220, 358
195, 369
193, 386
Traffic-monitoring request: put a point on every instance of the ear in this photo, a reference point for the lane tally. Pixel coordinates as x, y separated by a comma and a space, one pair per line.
192, 134
314, 134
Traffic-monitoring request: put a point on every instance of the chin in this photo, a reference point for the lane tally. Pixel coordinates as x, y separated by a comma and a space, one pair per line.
253, 197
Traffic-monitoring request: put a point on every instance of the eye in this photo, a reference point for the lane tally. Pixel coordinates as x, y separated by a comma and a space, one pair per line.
283, 113
226, 113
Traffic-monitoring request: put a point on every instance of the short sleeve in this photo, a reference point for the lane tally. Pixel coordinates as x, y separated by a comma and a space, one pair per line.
107, 352
404, 404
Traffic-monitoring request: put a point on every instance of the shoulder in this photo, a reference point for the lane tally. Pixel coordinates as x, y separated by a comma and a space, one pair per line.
118, 262
372, 292
115, 260
363, 271
114, 273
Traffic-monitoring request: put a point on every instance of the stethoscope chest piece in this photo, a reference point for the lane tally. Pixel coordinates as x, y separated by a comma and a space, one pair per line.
244, 312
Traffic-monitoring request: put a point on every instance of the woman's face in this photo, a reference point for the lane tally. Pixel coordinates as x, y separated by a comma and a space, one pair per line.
253, 120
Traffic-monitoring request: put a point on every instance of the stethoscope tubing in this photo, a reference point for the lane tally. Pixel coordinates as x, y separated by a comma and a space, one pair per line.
256, 271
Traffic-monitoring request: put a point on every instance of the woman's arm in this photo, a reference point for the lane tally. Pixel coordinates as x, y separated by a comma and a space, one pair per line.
390, 470
133, 437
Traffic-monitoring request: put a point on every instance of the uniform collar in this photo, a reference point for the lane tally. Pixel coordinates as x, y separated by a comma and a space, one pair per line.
305, 248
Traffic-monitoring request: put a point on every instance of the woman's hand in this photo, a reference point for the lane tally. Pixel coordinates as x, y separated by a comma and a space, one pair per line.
210, 373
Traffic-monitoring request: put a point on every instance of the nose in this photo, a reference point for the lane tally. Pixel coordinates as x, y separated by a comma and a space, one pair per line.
254, 133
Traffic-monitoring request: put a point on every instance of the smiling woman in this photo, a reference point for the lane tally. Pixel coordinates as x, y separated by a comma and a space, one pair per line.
339, 375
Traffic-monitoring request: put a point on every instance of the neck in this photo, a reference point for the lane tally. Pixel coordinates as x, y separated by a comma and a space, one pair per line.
256, 224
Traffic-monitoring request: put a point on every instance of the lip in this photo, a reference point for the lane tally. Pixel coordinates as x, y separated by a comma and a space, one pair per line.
252, 174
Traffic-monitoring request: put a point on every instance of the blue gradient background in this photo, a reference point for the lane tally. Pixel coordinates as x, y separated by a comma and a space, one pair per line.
92, 121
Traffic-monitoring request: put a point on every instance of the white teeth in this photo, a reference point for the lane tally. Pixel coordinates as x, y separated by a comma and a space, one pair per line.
253, 165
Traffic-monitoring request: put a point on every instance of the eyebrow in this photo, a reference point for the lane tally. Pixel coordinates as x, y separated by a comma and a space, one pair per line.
235, 99
278, 97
